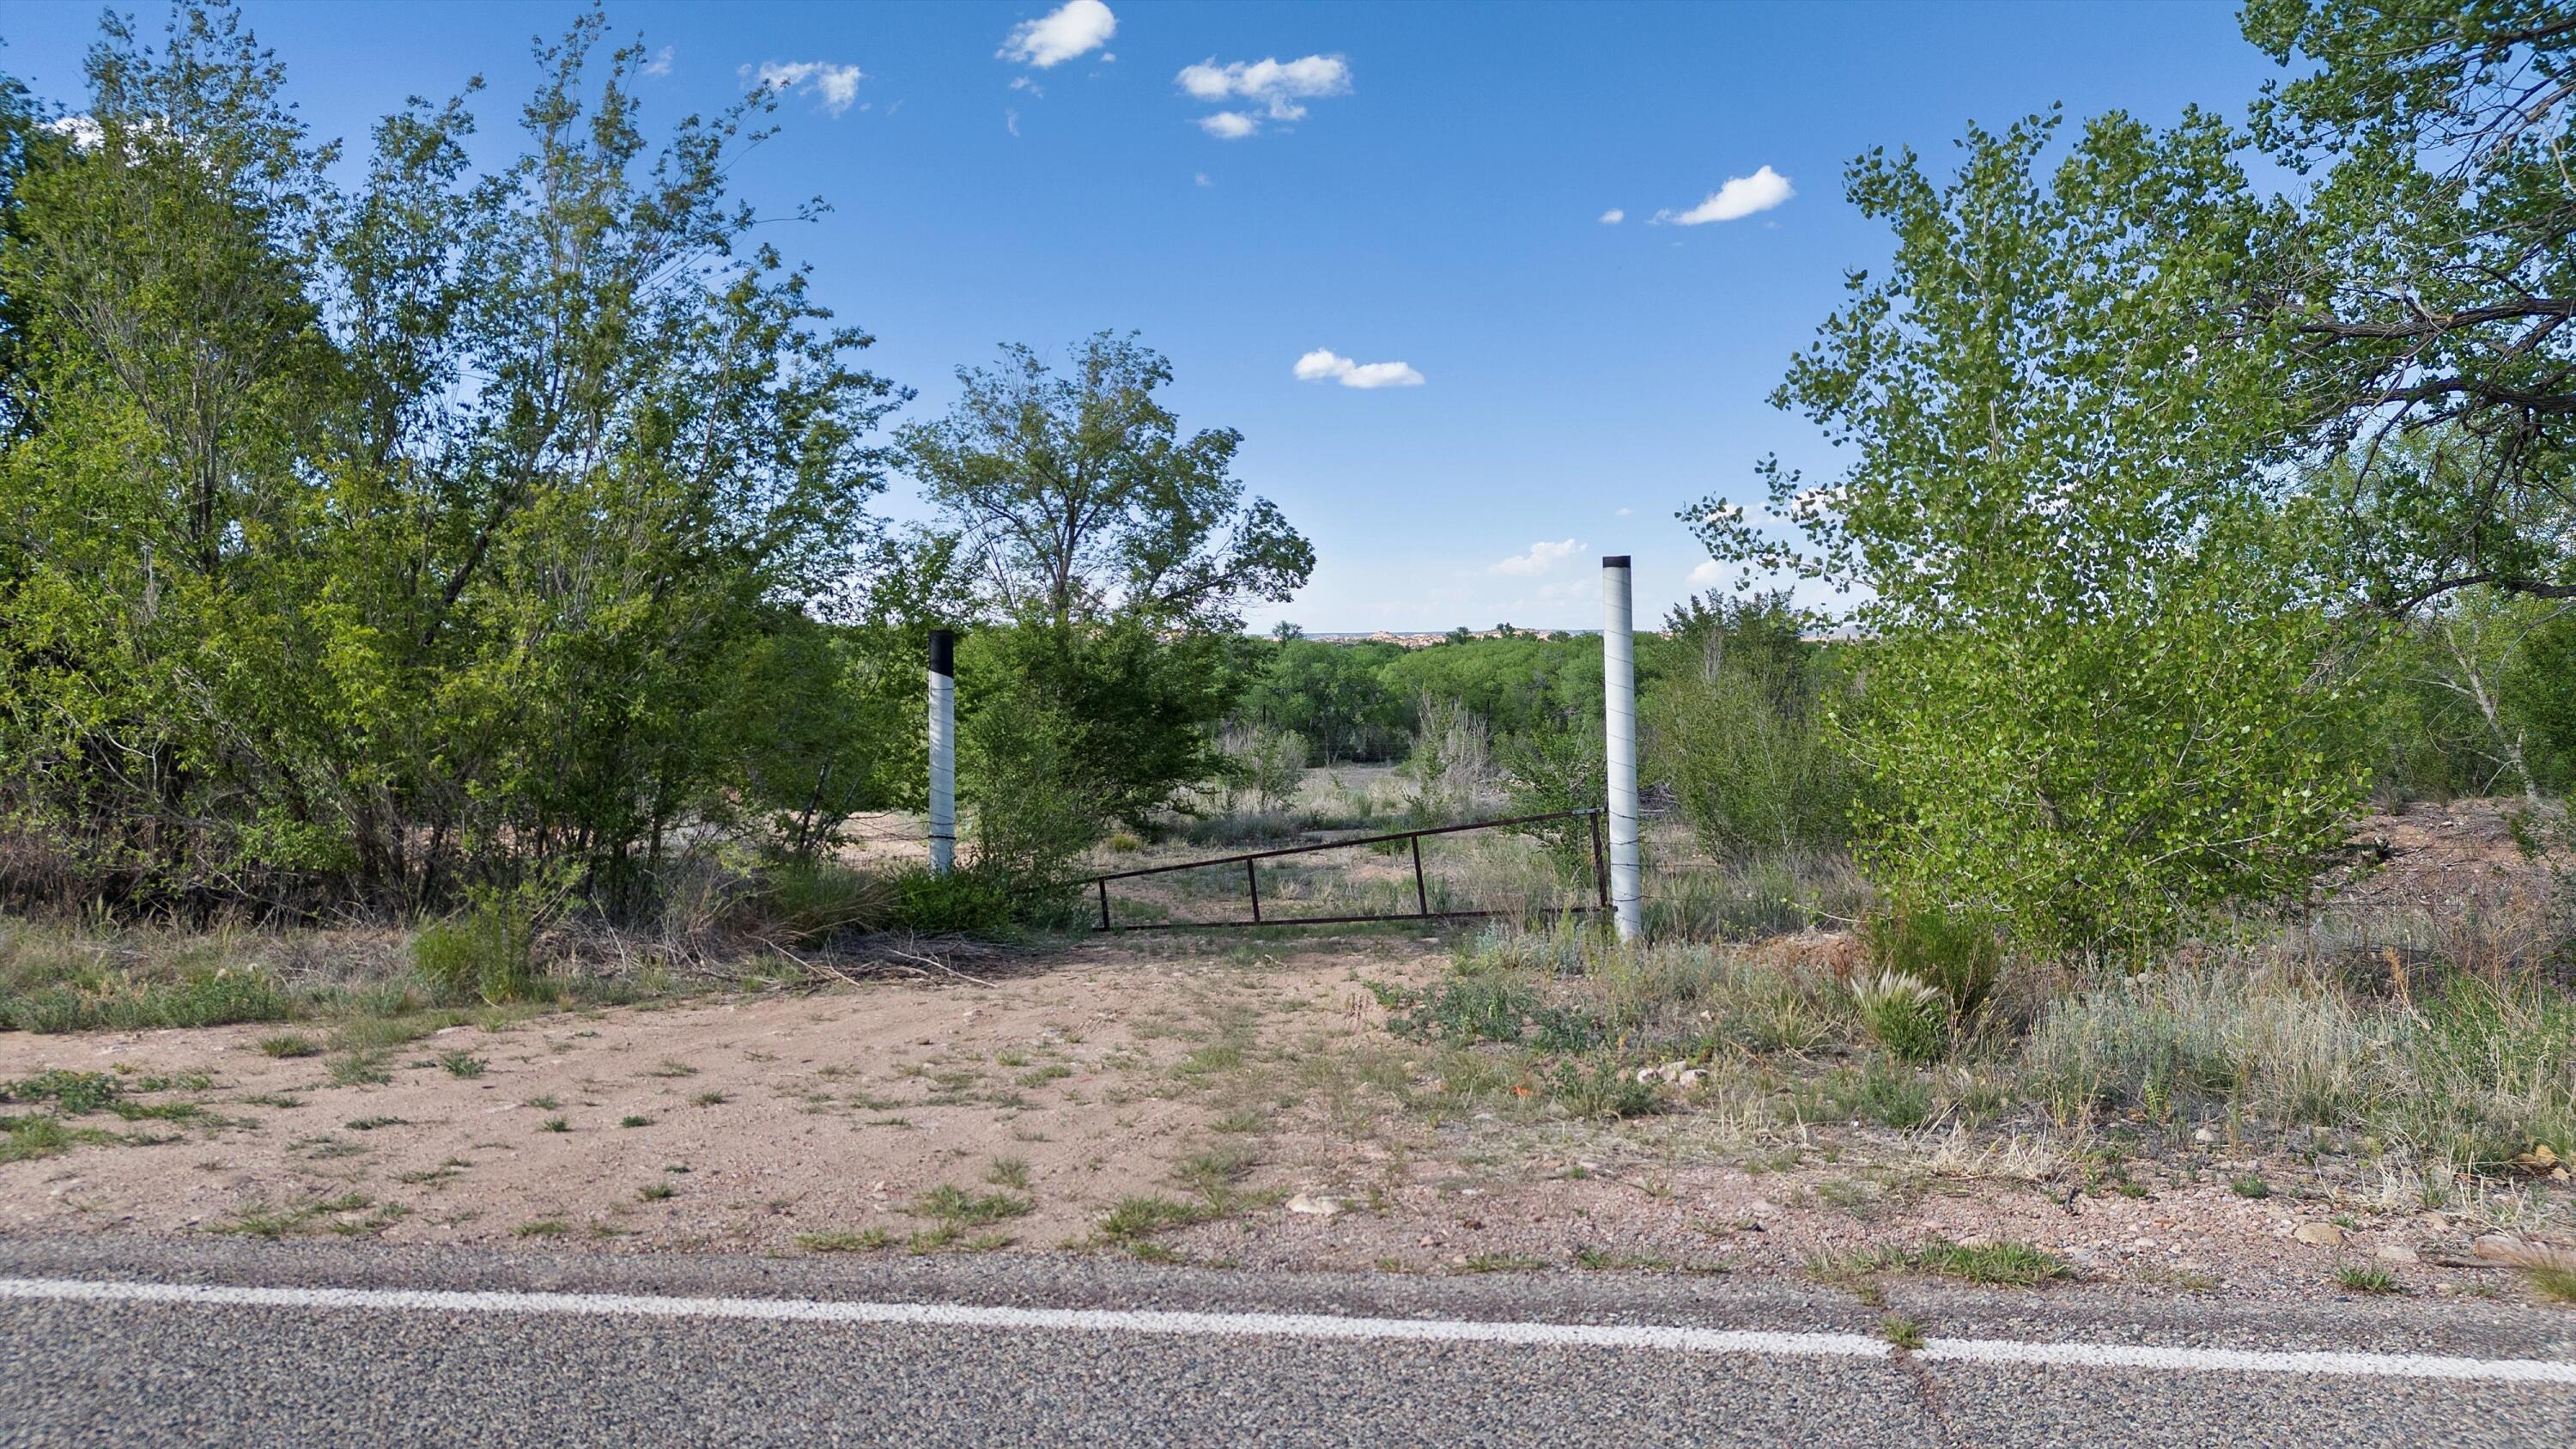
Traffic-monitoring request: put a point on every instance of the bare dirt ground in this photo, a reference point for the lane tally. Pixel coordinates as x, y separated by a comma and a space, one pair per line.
2465, 857
1250, 1091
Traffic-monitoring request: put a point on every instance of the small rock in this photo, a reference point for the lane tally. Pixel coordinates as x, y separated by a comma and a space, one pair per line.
1645, 1075
2323, 1235
2395, 1253
1311, 1203
2203, 1135
1695, 1076
2498, 1245
1977, 1240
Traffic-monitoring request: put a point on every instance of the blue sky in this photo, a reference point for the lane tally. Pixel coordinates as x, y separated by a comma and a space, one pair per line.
1418, 184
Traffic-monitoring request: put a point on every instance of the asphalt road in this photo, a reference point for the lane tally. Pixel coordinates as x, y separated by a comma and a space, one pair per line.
191, 1342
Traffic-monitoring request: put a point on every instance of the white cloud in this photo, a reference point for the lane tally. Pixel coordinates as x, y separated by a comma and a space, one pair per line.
1325, 365
1023, 83
1542, 556
1740, 196
1708, 575
84, 131
1203, 179
661, 64
1061, 34
1277, 87
838, 85
1613, 217
1624, 512
1011, 121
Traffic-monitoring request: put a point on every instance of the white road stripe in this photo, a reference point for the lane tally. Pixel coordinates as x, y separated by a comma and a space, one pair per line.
1672, 1339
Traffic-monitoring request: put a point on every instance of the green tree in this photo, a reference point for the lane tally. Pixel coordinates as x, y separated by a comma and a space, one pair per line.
2104, 670
2426, 279
1117, 556
375, 546
1741, 729
1333, 695
1078, 498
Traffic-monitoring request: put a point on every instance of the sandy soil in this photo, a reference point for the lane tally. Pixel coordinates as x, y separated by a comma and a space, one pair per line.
765, 1117
1112, 1071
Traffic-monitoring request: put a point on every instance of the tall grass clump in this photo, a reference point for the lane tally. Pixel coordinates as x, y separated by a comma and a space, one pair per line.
2492, 1069
2188, 1039
807, 900
52, 980
1958, 953
1906, 1014
486, 952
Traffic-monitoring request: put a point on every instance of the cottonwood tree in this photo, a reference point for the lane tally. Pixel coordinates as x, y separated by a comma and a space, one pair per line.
371, 546
1079, 498
2102, 670
2426, 283
1118, 555
2141, 450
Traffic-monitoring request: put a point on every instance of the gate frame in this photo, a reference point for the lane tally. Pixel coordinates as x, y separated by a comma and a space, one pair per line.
1421, 894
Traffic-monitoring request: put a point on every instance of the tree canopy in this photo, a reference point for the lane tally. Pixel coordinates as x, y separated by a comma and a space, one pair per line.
1077, 497
345, 537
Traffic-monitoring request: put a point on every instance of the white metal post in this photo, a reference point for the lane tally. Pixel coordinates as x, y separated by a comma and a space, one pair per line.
1619, 715
943, 751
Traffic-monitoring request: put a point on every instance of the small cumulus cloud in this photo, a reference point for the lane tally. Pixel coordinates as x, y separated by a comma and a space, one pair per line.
1276, 90
1708, 575
1203, 179
1325, 365
84, 132
661, 63
1071, 29
838, 85
1624, 512
1740, 196
1011, 121
1613, 216
1542, 556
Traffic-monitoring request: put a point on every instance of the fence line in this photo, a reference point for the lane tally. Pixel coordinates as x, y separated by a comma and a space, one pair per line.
1250, 861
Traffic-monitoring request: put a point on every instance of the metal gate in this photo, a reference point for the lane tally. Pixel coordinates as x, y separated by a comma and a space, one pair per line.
1250, 861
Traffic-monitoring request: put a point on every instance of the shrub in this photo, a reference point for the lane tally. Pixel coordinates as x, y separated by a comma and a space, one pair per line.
1905, 1014
973, 901
1956, 952
805, 900
1553, 767
485, 951
1599, 1087
1267, 764
1740, 731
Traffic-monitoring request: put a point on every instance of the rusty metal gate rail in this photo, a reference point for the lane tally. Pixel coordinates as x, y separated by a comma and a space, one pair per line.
1421, 895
